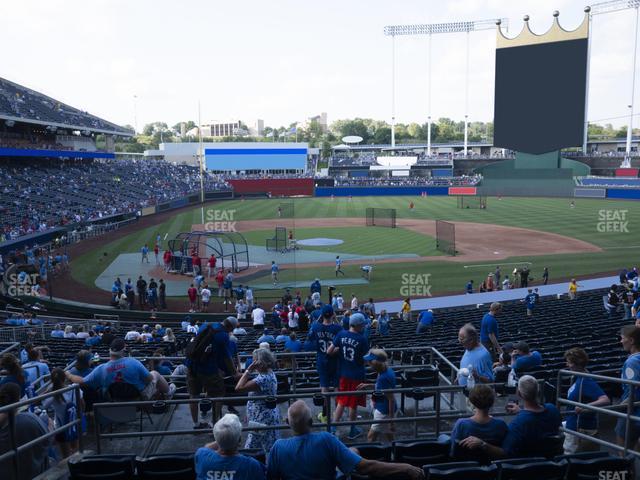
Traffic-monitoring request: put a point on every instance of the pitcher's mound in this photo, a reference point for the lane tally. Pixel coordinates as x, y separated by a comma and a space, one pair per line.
319, 242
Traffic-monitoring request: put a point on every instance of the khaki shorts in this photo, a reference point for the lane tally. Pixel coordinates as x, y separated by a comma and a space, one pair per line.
381, 427
213, 385
150, 390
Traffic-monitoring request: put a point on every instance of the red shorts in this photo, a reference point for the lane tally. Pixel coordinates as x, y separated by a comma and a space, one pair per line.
351, 401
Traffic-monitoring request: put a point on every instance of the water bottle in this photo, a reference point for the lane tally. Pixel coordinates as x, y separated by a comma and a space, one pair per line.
96, 357
471, 381
511, 381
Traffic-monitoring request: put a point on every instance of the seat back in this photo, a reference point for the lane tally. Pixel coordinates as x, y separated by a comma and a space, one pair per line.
102, 468
588, 469
421, 453
123, 392
174, 467
533, 470
378, 452
442, 472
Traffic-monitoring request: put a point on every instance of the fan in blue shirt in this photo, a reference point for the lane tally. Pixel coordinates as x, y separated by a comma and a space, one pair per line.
220, 460
352, 347
524, 360
322, 334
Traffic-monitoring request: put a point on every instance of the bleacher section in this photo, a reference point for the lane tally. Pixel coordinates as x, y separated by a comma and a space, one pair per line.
17, 101
609, 182
42, 195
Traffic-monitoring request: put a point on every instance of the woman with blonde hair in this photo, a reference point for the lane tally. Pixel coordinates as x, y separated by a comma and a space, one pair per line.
68, 332
169, 336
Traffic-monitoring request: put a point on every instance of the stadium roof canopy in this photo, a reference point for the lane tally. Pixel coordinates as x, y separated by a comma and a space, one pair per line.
21, 104
402, 146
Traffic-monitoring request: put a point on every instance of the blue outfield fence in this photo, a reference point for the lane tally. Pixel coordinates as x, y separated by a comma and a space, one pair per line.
623, 193
379, 191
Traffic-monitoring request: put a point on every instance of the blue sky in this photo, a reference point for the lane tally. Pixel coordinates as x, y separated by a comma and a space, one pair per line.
283, 60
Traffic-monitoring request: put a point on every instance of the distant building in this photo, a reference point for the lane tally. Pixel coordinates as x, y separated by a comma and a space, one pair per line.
321, 119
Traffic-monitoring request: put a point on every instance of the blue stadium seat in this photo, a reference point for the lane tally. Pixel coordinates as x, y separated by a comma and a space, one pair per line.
166, 467
112, 467
421, 452
533, 470
589, 469
455, 471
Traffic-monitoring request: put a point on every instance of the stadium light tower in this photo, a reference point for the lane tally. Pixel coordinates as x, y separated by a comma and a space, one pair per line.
430, 29
602, 8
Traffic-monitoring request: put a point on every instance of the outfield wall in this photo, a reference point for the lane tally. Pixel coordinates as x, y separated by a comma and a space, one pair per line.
379, 191
274, 186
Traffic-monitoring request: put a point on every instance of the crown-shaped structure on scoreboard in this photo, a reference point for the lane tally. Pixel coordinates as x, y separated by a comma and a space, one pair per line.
555, 34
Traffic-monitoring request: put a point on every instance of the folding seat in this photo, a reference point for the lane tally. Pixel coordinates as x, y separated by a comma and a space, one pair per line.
581, 456
428, 376
166, 467
374, 451
590, 468
421, 453
533, 470
108, 467
458, 470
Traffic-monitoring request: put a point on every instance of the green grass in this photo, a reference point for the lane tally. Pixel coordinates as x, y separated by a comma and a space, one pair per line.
546, 214
359, 240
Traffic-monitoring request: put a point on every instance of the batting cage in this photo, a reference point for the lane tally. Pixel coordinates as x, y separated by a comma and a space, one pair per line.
381, 217
279, 240
472, 201
230, 249
446, 237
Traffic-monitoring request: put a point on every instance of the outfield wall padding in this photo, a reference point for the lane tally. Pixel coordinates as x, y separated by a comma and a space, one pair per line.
379, 191
590, 192
624, 193
274, 186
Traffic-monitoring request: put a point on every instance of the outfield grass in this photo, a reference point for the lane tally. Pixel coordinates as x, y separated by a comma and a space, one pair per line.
546, 214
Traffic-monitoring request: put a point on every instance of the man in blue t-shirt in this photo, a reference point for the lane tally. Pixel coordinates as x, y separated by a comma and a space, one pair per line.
119, 369
292, 344
204, 373
350, 347
469, 287
322, 335
476, 358
425, 321
530, 301
534, 423
630, 340
523, 359
311, 455
221, 460
384, 408
489, 330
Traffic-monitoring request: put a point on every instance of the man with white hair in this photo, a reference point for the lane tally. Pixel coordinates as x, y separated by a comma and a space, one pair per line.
220, 459
476, 358
311, 455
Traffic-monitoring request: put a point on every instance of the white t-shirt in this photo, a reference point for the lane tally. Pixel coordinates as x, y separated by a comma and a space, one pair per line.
192, 329
206, 295
249, 294
133, 335
340, 303
354, 303
258, 316
82, 335
293, 319
146, 337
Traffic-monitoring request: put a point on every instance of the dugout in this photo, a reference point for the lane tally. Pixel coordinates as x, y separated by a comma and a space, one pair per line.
230, 248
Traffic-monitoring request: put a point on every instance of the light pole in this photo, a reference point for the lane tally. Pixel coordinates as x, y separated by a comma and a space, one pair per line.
601, 8
135, 112
429, 29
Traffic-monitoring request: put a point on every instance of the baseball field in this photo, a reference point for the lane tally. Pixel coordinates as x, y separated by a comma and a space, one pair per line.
588, 237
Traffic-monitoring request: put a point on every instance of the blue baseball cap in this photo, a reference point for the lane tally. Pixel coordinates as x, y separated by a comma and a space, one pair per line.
376, 354
327, 310
356, 320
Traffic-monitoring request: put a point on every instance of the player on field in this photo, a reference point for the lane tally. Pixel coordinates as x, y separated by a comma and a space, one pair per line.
274, 272
339, 266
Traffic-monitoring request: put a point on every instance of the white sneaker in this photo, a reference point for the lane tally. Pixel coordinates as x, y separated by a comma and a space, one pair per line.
172, 390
